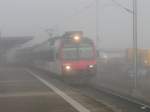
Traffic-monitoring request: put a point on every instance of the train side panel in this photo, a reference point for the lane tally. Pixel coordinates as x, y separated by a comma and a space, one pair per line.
51, 66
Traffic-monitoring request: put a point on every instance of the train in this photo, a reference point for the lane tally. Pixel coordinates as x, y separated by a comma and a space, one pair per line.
70, 56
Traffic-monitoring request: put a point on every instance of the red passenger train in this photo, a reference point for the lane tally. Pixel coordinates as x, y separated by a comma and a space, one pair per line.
71, 55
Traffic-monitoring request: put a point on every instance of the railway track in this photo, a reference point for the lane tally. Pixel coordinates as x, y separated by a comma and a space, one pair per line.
116, 102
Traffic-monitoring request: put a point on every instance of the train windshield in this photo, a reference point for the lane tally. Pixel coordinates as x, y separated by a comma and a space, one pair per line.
70, 53
78, 52
86, 52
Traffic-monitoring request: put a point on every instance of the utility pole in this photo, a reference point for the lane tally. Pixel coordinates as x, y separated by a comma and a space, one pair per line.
0, 34
97, 24
135, 37
135, 41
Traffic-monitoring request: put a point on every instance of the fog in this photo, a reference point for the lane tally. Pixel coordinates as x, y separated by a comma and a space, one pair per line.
47, 63
27, 17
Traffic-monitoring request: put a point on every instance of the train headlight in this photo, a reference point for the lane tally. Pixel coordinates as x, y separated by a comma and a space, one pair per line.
68, 67
76, 38
91, 66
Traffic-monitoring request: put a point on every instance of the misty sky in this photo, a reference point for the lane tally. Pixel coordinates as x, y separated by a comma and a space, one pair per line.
27, 17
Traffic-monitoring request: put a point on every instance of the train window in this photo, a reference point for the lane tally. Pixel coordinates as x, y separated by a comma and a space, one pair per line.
86, 53
70, 53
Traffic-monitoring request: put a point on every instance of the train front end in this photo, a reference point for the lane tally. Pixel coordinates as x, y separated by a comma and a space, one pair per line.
78, 57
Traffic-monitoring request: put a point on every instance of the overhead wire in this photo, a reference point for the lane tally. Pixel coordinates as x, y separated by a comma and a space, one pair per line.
121, 6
